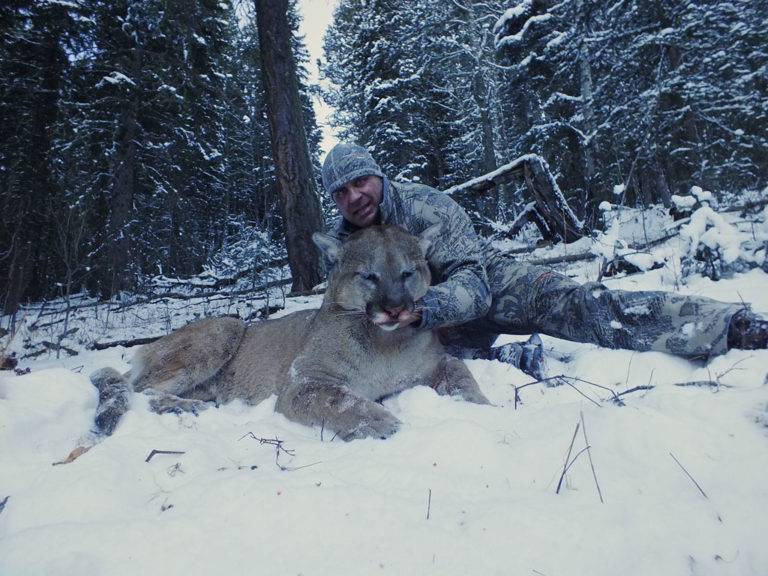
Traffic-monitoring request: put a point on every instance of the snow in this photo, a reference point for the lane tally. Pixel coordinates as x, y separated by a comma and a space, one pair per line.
684, 202
513, 13
460, 489
702, 195
115, 77
516, 39
711, 229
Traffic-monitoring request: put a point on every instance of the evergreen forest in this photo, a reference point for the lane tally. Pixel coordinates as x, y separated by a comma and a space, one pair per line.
134, 139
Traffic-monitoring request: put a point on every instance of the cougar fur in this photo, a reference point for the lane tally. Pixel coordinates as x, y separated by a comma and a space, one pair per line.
328, 368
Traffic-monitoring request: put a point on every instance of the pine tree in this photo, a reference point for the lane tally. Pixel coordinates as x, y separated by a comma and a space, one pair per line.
156, 119
655, 96
415, 83
132, 140
33, 73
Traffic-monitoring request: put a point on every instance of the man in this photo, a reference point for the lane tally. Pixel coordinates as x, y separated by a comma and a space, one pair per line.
479, 293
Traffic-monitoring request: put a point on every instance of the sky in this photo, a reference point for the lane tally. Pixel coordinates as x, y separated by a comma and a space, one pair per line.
317, 16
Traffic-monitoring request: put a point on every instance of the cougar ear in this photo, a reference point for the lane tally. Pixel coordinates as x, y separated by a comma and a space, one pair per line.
328, 245
429, 236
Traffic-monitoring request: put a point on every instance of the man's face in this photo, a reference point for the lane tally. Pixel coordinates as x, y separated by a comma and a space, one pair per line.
359, 199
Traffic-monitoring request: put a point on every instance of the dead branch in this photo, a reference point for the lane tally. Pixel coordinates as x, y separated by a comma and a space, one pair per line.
583, 394
127, 343
701, 384
589, 455
278, 444
563, 380
570, 380
210, 295
689, 476
568, 462
733, 367
52, 346
156, 452
562, 259
222, 282
550, 212
632, 390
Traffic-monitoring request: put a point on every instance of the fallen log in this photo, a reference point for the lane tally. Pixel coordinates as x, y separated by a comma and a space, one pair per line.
549, 210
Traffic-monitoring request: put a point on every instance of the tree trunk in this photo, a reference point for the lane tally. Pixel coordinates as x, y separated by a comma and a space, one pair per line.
587, 105
121, 198
551, 204
299, 204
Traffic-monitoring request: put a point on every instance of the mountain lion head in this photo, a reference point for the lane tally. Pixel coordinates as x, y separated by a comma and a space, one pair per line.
380, 272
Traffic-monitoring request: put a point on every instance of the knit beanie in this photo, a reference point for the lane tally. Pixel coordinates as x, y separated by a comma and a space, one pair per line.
346, 162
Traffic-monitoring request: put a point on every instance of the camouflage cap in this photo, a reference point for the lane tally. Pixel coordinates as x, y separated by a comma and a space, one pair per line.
346, 162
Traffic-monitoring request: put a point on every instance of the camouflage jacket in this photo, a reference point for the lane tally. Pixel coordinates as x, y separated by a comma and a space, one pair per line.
459, 291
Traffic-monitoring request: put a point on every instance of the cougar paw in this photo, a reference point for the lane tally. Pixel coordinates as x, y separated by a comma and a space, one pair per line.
377, 422
165, 404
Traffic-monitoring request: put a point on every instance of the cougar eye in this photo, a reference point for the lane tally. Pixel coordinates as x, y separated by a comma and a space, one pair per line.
407, 274
371, 277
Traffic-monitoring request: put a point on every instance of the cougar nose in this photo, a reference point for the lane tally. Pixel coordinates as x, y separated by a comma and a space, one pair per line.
394, 311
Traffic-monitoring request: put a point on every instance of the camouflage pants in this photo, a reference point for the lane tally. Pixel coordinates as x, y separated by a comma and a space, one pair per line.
528, 299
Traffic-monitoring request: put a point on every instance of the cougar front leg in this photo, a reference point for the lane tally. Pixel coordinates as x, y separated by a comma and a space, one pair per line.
335, 407
164, 403
455, 379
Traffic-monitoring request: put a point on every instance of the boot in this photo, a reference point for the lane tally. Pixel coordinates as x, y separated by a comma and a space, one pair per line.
529, 357
747, 331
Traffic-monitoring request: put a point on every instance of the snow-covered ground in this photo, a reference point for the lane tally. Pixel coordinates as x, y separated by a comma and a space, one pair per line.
673, 482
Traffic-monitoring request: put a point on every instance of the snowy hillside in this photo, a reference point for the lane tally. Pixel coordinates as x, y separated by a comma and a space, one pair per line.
630, 463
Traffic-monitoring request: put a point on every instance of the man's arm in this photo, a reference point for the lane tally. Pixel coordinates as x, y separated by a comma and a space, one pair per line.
459, 291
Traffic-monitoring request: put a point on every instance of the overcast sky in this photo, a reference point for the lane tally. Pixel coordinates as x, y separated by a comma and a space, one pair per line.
317, 15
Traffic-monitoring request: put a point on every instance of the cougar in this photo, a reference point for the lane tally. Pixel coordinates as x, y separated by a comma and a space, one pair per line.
328, 368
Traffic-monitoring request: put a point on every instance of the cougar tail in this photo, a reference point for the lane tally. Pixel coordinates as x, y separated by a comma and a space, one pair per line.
114, 391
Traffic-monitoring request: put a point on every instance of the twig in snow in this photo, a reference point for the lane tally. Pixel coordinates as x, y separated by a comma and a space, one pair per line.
589, 454
701, 384
567, 463
583, 394
278, 444
715, 383
570, 461
689, 476
571, 381
629, 369
635, 389
156, 452
563, 379
732, 368
429, 503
